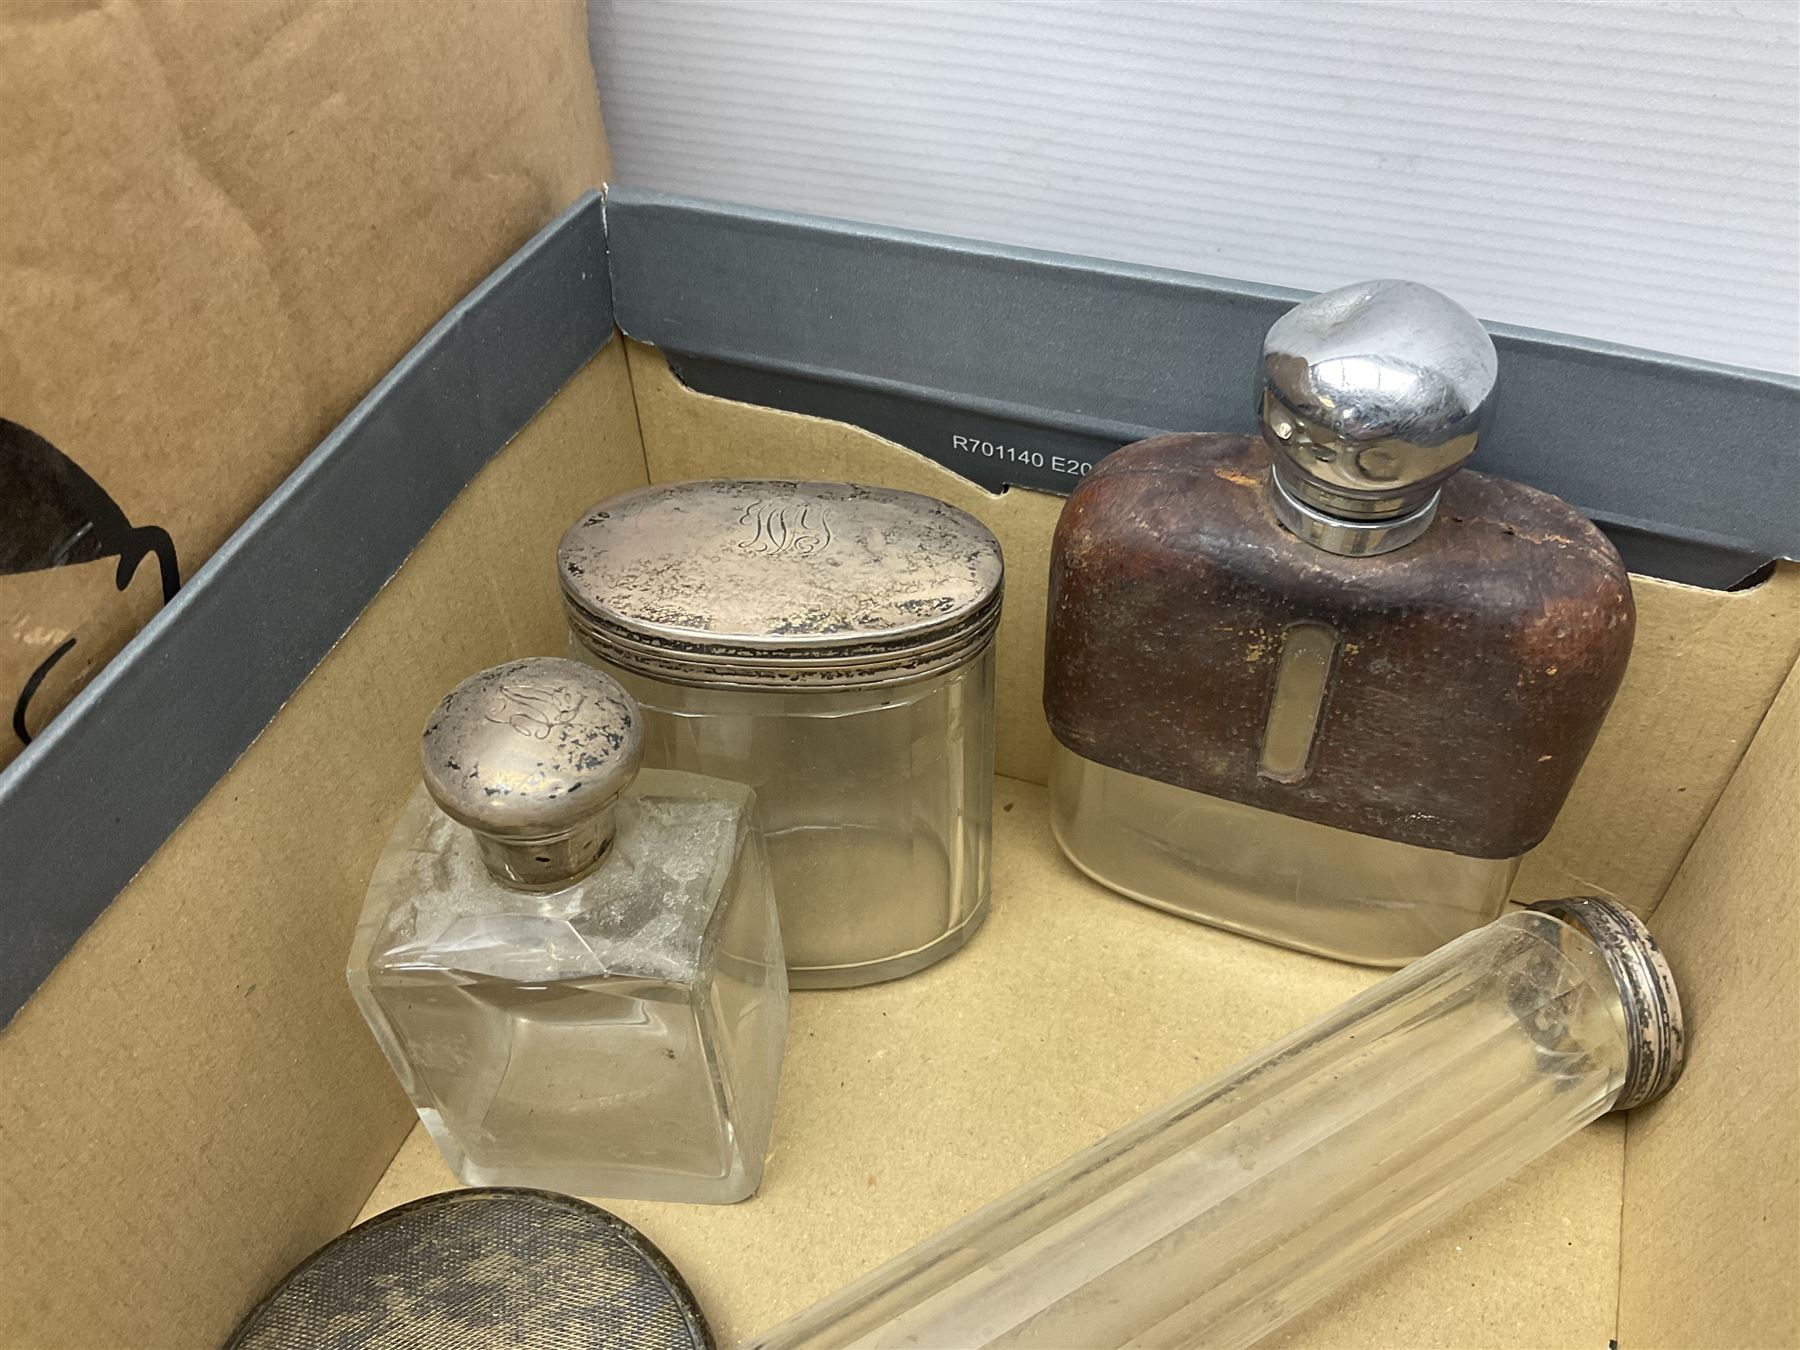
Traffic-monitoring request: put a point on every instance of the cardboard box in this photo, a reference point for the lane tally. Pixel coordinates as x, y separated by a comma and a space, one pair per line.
222, 223
191, 1103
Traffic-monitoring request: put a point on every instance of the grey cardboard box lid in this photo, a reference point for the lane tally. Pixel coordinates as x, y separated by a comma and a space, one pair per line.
1017, 367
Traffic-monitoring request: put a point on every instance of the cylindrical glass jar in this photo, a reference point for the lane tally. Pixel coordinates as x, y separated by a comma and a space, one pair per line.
1217, 1218
830, 645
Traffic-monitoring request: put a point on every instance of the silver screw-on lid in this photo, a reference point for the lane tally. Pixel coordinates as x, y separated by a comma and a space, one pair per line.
1653, 1025
757, 583
1372, 395
531, 755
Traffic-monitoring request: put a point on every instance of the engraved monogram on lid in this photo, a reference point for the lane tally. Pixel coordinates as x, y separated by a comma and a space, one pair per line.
755, 583
531, 755
533, 708
794, 529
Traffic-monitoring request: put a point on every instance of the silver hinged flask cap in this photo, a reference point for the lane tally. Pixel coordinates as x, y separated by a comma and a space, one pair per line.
531, 756
1372, 395
760, 584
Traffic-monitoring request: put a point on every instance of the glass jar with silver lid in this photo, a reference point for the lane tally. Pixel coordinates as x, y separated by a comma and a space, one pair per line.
830, 645
574, 967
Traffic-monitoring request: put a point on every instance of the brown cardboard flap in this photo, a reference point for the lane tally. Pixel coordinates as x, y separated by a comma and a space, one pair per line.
1704, 668
1712, 1197
223, 223
192, 1102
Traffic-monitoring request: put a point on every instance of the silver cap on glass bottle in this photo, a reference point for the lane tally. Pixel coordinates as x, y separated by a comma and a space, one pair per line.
531, 756
1372, 395
1653, 1025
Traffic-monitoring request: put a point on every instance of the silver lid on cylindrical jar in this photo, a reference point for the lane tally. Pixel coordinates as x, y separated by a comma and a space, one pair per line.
758, 583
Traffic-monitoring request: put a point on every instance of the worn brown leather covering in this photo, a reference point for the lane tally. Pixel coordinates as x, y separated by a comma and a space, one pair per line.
1472, 672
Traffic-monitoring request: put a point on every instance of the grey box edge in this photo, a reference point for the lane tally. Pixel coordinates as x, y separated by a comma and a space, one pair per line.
1003, 363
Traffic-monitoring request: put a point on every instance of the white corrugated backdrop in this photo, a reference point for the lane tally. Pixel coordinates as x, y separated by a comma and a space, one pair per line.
1624, 170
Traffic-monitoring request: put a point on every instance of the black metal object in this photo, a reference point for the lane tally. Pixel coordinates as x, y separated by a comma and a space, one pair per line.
53, 514
487, 1269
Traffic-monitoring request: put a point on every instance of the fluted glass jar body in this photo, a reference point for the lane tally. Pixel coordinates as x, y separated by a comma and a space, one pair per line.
617, 1035
876, 805
1379, 902
1215, 1219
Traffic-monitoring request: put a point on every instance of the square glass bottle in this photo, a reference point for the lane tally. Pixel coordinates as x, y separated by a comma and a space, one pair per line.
1324, 686
574, 967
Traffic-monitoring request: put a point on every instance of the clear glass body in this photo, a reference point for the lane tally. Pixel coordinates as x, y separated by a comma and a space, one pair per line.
1212, 1221
1294, 882
621, 1036
877, 805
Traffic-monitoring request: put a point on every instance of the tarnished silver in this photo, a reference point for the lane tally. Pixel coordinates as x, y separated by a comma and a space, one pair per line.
755, 583
1653, 1023
432, 1274
531, 756
1372, 395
